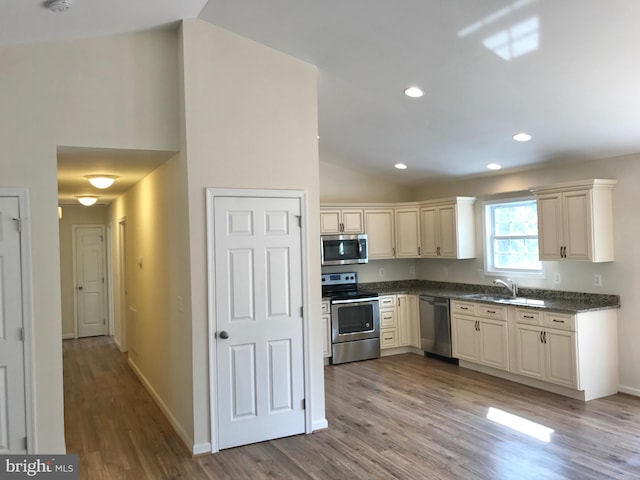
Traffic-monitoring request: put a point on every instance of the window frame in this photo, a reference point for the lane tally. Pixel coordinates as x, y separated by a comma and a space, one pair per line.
488, 236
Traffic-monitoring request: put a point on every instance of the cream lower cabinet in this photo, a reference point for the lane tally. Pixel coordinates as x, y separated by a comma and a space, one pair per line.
326, 325
548, 354
480, 334
408, 321
388, 322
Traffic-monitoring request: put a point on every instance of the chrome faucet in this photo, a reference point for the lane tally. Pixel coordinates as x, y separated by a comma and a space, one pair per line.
513, 288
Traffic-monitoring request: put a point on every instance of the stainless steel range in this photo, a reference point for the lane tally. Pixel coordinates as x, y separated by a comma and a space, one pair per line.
355, 318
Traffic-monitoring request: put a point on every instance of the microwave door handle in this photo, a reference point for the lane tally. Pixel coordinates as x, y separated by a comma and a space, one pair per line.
355, 300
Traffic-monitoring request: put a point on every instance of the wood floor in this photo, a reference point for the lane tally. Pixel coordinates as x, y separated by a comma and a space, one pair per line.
400, 417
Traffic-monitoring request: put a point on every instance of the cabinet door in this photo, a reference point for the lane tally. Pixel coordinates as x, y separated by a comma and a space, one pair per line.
407, 232
447, 229
464, 338
380, 230
326, 342
494, 351
429, 231
577, 224
531, 351
561, 357
330, 222
352, 221
550, 227
408, 321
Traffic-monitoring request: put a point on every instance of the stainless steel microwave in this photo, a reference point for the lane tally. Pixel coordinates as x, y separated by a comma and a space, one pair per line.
344, 249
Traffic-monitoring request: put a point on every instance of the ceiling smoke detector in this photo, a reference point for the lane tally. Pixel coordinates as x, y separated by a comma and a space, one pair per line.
58, 5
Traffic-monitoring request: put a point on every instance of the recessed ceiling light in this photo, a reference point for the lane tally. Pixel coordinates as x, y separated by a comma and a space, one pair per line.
400, 166
522, 137
87, 200
101, 181
494, 166
413, 92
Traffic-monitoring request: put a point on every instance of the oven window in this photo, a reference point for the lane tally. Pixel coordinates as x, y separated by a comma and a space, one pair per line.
355, 319
341, 250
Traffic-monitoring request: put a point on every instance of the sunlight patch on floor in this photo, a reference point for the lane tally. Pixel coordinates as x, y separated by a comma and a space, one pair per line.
520, 424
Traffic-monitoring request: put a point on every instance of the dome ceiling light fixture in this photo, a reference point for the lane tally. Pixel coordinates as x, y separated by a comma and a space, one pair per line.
494, 166
87, 200
58, 5
101, 181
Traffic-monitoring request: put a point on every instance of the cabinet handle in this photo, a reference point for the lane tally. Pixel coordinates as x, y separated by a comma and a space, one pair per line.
558, 321
477, 326
491, 311
541, 341
464, 308
394, 251
419, 252
438, 251
529, 316
545, 337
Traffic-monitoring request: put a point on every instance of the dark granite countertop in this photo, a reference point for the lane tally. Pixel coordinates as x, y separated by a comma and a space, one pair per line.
553, 300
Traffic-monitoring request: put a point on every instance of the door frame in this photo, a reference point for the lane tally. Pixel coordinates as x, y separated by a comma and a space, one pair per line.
122, 342
211, 194
26, 268
106, 306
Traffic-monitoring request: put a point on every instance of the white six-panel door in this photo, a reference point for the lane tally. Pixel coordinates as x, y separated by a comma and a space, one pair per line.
12, 372
258, 319
91, 286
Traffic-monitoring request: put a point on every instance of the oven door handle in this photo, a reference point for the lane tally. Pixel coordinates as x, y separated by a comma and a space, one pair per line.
355, 300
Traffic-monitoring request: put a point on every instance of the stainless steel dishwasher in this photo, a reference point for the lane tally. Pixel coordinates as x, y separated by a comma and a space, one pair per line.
435, 326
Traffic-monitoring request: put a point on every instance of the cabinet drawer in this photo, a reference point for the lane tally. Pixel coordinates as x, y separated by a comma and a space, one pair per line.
387, 318
562, 321
325, 308
388, 338
387, 301
531, 317
495, 312
465, 308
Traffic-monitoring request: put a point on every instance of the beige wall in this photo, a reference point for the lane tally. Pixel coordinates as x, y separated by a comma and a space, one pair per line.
116, 92
621, 277
344, 185
155, 213
73, 215
250, 122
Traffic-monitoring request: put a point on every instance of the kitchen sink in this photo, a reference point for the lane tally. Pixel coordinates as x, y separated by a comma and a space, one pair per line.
483, 297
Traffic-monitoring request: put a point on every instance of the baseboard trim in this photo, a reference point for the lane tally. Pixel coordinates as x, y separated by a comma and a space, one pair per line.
629, 390
319, 425
172, 420
201, 449
68, 336
115, 340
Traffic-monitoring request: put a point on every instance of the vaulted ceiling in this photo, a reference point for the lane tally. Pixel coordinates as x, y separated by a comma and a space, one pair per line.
566, 72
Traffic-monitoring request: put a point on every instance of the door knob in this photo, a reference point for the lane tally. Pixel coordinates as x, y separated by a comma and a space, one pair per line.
80, 287
224, 335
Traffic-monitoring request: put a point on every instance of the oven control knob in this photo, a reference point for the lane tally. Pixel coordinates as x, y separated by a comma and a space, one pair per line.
367, 325
223, 335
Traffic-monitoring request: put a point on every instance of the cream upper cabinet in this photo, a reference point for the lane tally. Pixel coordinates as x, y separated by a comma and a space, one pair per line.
407, 232
447, 229
575, 221
379, 227
335, 221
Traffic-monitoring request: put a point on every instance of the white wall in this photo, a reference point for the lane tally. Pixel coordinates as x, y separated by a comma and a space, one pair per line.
621, 277
117, 92
250, 122
157, 233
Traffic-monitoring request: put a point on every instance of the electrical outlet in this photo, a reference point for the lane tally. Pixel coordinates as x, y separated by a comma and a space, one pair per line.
412, 270
557, 278
381, 272
597, 280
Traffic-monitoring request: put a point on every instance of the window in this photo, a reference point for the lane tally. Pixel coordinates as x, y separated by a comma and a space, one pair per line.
511, 231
